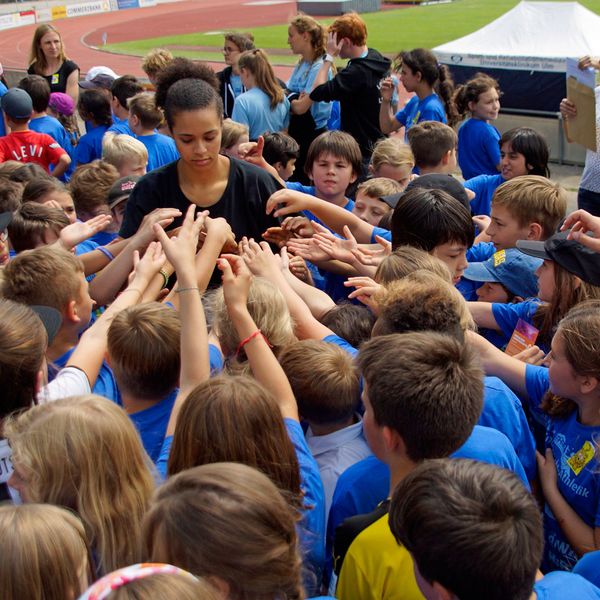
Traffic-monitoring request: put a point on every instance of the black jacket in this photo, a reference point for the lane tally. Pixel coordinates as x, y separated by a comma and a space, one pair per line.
226, 91
357, 89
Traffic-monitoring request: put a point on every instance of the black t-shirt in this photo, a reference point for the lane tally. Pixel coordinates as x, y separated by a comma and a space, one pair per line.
242, 203
58, 80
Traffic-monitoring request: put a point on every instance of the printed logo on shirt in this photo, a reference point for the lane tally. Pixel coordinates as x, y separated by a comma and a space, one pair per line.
581, 458
416, 118
499, 257
55, 79
54, 145
29, 151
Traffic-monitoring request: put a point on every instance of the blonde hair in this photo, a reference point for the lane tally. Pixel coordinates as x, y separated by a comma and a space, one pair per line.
85, 454
269, 310
422, 301
305, 24
393, 152
228, 521
118, 148
43, 551
257, 62
47, 275
155, 61
144, 108
379, 186
231, 132
405, 260
23, 342
533, 199
143, 346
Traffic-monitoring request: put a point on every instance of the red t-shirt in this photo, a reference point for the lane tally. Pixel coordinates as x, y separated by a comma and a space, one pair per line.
30, 147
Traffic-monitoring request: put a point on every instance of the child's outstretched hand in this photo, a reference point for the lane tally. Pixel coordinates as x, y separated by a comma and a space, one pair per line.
146, 267
161, 216
236, 281
366, 289
581, 224
308, 249
299, 226
336, 247
386, 88
181, 250
78, 232
286, 202
259, 258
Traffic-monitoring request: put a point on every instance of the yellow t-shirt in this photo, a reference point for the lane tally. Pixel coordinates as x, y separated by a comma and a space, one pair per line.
376, 567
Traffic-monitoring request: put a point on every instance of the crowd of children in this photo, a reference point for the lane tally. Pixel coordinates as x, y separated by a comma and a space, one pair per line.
246, 361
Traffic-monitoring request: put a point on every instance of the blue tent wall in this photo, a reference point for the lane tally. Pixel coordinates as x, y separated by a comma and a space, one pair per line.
526, 90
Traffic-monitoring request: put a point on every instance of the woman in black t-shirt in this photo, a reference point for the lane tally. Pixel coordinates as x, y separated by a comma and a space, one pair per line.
226, 187
48, 59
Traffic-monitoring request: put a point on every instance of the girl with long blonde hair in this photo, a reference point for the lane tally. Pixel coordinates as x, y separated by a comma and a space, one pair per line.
84, 453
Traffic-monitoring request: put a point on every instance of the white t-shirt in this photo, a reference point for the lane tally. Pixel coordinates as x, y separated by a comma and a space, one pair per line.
70, 381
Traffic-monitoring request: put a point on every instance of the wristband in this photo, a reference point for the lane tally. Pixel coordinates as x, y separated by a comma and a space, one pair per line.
329, 58
106, 252
250, 338
186, 290
165, 277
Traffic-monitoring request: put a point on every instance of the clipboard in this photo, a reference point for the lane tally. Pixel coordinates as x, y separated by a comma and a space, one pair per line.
582, 128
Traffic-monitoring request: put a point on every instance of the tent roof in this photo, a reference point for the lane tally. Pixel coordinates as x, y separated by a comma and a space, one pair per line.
531, 30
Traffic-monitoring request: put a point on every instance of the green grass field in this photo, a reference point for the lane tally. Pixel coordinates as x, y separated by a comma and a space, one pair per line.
389, 31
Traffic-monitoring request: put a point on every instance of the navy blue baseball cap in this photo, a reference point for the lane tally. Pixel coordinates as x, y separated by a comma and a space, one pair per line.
513, 269
571, 255
17, 104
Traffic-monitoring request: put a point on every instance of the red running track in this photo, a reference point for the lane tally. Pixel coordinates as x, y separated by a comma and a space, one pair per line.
80, 34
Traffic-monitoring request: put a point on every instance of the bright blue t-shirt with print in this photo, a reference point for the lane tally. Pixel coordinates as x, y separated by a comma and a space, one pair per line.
574, 448
478, 148
507, 315
161, 150
89, 147
484, 187
565, 586
105, 385
54, 128
302, 80
415, 111
151, 423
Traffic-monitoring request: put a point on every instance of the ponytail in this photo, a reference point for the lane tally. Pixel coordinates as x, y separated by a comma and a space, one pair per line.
445, 90
257, 62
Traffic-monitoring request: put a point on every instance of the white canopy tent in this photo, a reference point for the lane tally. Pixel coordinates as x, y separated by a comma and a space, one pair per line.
526, 50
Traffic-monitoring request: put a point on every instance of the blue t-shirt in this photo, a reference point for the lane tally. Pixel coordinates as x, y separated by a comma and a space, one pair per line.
3, 90
312, 525
481, 251
120, 126
301, 80
484, 187
503, 411
565, 586
253, 108
161, 150
235, 81
361, 487
54, 128
478, 148
105, 385
151, 423
573, 446
415, 111
89, 147
588, 566
102, 238
342, 343
507, 315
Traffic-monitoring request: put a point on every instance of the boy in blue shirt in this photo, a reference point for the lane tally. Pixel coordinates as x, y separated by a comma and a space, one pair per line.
143, 351
474, 531
121, 90
144, 120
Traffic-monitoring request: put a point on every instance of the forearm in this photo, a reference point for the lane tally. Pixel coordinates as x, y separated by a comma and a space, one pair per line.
337, 267
265, 367
61, 166
95, 260
579, 535
387, 122
157, 284
317, 301
483, 315
336, 218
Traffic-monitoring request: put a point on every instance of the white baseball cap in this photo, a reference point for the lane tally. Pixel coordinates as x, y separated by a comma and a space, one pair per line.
94, 71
